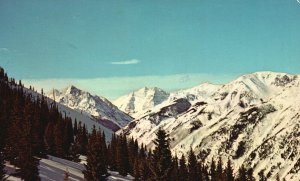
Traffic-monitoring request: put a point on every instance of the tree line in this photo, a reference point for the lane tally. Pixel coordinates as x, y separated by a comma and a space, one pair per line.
126, 157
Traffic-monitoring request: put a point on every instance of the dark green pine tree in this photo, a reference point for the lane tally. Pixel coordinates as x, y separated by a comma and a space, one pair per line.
49, 138
37, 133
175, 169
11, 148
58, 139
133, 150
242, 174
136, 171
142, 153
75, 127
104, 148
229, 171
205, 174
161, 161
213, 174
112, 152
183, 171
95, 169
68, 136
122, 156
80, 143
144, 170
29, 167
27, 163
200, 170
84, 139
192, 166
220, 174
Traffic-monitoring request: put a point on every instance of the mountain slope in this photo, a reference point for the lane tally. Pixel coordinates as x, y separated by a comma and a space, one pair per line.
85, 119
253, 120
97, 108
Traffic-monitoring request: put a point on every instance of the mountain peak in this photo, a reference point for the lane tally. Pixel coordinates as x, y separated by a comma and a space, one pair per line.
141, 100
98, 108
71, 89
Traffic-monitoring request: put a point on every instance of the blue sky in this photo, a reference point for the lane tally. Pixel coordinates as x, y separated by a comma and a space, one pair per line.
52, 43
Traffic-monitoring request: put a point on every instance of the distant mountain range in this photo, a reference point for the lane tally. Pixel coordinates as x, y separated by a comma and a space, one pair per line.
253, 120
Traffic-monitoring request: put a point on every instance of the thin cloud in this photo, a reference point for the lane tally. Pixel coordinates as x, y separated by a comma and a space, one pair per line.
5, 50
126, 62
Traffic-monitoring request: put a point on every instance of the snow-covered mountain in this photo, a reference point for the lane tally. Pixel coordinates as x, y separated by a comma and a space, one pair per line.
97, 108
141, 100
253, 120
74, 114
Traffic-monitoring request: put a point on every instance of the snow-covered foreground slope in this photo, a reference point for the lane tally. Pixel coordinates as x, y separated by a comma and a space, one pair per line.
54, 169
253, 120
97, 108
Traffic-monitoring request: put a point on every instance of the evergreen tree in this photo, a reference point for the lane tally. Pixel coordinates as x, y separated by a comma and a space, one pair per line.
183, 171
95, 169
205, 174
122, 156
242, 174
12, 147
80, 143
68, 136
200, 170
136, 171
213, 174
144, 170
29, 168
37, 133
112, 152
142, 153
49, 138
175, 169
58, 139
132, 153
75, 127
219, 171
27, 163
104, 148
192, 166
161, 161
229, 171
